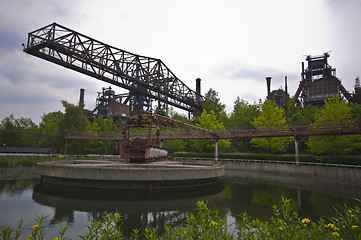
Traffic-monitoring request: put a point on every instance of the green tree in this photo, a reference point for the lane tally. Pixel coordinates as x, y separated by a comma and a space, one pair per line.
213, 103
49, 127
18, 131
335, 111
173, 146
95, 146
297, 115
209, 121
271, 116
74, 122
31, 132
106, 126
355, 111
310, 112
242, 116
295, 112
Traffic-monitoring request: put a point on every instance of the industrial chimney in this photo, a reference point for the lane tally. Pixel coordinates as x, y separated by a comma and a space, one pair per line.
81, 99
268, 80
198, 89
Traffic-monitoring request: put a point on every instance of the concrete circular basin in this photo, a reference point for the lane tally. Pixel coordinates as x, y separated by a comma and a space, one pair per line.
123, 175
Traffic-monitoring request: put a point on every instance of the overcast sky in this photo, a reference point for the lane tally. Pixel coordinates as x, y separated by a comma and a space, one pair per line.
232, 45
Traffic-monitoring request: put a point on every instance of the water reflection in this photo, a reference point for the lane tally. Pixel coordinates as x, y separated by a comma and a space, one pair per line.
313, 197
140, 209
15, 187
252, 193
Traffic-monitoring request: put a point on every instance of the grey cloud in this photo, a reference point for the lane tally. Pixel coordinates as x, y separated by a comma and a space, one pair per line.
10, 40
345, 2
16, 95
259, 75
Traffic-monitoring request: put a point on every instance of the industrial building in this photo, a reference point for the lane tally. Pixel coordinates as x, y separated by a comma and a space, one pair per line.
318, 83
108, 104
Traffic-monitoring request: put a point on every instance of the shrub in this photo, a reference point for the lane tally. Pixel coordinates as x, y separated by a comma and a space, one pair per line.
206, 224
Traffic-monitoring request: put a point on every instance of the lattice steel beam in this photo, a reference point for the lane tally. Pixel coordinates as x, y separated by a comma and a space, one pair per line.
141, 75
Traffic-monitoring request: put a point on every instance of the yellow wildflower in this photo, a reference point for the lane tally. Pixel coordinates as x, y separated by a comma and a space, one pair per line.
336, 229
330, 225
352, 215
30, 237
56, 238
213, 223
280, 228
350, 211
354, 226
336, 234
305, 220
35, 227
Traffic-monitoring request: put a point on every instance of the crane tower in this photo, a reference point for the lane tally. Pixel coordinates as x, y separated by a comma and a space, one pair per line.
147, 79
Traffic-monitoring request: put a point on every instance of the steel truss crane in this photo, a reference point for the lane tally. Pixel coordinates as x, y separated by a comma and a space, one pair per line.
146, 78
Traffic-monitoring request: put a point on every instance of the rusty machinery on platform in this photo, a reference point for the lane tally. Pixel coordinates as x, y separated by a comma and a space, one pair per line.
140, 146
137, 149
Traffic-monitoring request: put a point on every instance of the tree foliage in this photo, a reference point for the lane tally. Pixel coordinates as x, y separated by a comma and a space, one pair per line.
18, 131
213, 103
55, 125
335, 111
242, 117
243, 114
271, 116
209, 121
53, 128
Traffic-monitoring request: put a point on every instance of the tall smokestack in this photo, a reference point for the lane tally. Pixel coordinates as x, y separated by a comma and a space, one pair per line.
198, 89
81, 99
268, 80
303, 71
286, 88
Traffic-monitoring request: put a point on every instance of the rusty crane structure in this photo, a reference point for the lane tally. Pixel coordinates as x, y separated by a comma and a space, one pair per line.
147, 79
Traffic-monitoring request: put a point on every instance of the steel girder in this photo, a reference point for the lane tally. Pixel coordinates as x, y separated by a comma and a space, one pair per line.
142, 76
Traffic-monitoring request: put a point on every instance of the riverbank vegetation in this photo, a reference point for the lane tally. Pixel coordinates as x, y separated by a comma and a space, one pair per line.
54, 126
207, 224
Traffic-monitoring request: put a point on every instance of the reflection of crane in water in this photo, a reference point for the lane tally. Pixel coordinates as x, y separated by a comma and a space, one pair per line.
147, 79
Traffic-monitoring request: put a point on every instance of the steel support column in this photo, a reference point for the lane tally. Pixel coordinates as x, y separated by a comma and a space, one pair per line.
66, 146
216, 150
297, 156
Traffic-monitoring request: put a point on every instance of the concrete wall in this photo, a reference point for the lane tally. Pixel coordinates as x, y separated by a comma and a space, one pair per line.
336, 174
341, 174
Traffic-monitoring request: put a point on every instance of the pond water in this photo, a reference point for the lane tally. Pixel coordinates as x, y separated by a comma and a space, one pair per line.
22, 196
